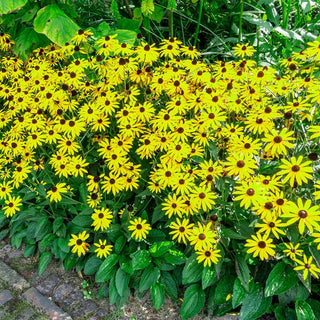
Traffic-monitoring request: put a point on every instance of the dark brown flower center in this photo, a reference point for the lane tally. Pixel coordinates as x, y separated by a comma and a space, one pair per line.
201, 236
295, 168
303, 214
79, 242
277, 139
240, 164
139, 226
182, 229
262, 244
250, 192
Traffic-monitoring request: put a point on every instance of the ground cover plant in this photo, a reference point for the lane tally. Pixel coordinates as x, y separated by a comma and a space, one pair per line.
151, 168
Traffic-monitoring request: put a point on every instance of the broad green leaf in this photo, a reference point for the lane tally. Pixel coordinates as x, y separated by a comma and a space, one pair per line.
125, 36
259, 22
160, 248
140, 259
150, 275
92, 265
55, 24
119, 244
281, 278
172, 4
84, 221
70, 261
242, 271
147, 7
304, 311
229, 233
29, 15
193, 301
224, 288
175, 257
29, 250
44, 261
126, 265
239, 293
192, 271
157, 294
208, 276
113, 292
63, 244
7, 6
122, 281
169, 285
315, 306
43, 228
255, 304
157, 214
157, 14
106, 269
297, 292
129, 24
57, 223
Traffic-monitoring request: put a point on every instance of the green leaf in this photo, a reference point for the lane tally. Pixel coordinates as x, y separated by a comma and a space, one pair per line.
126, 265
297, 292
175, 257
70, 261
63, 245
106, 269
242, 271
169, 285
208, 276
125, 36
147, 7
55, 24
193, 301
140, 259
259, 22
315, 306
239, 293
281, 278
7, 6
122, 281
43, 228
119, 244
29, 250
92, 265
160, 248
157, 294
29, 15
150, 275
44, 261
304, 311
113, 292
172, 4
224, 287
57, 223
232, 234
157, 14
255, 304
192, 271
84, 221
128, 24
42, 191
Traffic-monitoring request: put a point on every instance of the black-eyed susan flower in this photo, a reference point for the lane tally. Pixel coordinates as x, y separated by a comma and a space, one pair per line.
260, 245
78, 242
173, 205
308, 267
238, 164
203, 197
271, 226
5, 189
202, 236
292, 250
140, 228
12, 206
182, 229
307, 215
249, 193
295, 171
278, 142
103, 250
242, 50
56, 191
208, 256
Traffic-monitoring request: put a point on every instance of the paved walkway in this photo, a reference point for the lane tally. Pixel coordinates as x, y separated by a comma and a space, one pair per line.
59, 295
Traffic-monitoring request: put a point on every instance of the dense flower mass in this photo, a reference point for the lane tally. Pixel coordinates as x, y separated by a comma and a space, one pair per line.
184, 146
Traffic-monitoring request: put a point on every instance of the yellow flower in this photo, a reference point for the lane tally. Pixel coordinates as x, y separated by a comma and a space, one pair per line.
102, 249
208, 256
140, 228
101, 219
292, 250
203, 237
13, 205
241, 50
78, 242
308, 267
260, 245
56, 191
181, 230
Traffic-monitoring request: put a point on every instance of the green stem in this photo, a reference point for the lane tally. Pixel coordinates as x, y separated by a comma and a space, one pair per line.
198, 23
170, 21
240, 22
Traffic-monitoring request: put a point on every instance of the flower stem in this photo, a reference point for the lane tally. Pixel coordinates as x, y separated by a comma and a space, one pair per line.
198, 23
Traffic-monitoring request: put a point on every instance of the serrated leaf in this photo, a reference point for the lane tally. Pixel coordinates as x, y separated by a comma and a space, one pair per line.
55, 24
7, 6
281, 278
192, 271
193, 301
304, 311
174, 256
44, 261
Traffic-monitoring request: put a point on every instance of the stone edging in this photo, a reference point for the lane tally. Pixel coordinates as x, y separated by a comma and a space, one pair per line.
30, 294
